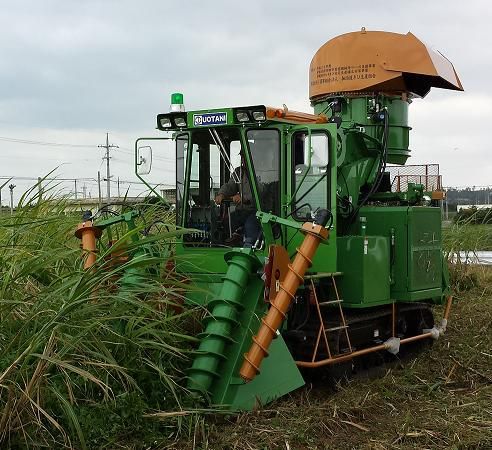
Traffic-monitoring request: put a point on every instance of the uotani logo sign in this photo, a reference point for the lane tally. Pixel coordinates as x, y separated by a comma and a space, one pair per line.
207, 119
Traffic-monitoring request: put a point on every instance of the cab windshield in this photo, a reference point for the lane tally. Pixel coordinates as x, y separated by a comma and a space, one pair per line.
218, 193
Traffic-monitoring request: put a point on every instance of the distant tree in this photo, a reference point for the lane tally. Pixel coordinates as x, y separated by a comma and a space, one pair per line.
474, 216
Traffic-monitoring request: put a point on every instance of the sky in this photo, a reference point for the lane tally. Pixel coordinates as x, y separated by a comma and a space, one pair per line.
72, 71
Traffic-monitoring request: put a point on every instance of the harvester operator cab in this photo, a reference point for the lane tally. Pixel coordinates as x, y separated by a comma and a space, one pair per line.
235, 162
232, 173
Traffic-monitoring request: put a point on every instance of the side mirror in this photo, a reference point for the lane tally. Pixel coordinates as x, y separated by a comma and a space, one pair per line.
144, 160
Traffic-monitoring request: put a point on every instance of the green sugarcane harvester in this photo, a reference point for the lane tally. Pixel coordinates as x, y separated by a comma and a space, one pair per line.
306, 251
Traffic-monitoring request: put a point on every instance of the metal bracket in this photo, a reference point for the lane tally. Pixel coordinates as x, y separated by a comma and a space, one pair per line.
126, 217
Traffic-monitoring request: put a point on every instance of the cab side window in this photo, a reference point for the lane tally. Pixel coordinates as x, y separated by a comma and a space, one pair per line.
311, 173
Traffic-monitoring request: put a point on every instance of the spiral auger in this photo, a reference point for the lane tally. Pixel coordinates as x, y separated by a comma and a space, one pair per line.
222, 321
314, 234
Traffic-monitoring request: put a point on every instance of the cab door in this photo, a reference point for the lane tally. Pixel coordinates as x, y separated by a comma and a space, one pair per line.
311, 185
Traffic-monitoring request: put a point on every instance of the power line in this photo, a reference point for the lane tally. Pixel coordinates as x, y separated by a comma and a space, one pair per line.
45, 178
54, 144
59, 144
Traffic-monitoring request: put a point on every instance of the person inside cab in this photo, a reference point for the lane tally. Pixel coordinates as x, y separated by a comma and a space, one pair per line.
244, 224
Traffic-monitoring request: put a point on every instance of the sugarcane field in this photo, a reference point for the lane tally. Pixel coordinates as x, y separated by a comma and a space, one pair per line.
238, 226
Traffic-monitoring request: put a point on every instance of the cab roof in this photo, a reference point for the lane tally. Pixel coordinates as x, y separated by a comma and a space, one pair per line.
234, 116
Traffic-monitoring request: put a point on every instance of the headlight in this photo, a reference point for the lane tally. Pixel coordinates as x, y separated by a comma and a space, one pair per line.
180, 121
259, 115
242, 116
165, 122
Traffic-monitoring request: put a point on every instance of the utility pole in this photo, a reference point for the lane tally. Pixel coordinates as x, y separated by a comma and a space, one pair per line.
11, 187
447, 206
40, 190
99, 188
1, 187
75, 186
107, 157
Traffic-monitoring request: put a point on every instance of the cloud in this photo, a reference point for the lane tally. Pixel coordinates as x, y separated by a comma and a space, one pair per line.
70, 71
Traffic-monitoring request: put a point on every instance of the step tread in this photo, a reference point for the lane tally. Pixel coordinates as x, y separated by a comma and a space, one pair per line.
341, 327
330, 302
315, 276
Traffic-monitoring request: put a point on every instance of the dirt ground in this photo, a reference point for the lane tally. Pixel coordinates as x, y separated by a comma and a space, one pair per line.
439, 399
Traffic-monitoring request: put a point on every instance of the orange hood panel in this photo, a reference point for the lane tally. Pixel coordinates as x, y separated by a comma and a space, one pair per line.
379, 61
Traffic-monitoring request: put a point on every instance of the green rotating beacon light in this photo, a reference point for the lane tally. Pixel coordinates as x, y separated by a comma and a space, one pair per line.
177, 103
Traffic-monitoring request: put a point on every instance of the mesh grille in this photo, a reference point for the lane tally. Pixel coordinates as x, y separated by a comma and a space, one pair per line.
425, 174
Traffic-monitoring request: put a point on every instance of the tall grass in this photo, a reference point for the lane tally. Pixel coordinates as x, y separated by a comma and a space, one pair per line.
82, 361
462, 241
467, 238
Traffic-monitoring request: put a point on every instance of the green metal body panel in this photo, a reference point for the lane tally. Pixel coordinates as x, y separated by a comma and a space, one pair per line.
416, 268
359, 136
358, 112
279, 375
325, 259
425, 244
365, 263
204, 288
200, 260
